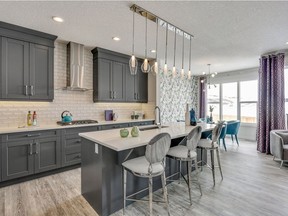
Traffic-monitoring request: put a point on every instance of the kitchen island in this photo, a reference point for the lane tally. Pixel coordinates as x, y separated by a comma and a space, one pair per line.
103, 152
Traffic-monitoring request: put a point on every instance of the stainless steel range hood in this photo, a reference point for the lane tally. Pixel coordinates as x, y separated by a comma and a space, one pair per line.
75, 67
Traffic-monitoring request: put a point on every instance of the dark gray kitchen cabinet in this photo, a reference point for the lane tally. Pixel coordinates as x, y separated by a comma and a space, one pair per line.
28, 153
26, 71
41, 72
71, 144
111, 79
17, 159
47, 154
136, 85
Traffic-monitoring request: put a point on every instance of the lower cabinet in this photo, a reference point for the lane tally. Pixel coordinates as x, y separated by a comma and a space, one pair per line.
26, 157
71, 145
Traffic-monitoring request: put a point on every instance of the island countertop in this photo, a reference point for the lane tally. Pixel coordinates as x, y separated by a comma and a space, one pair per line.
112, 139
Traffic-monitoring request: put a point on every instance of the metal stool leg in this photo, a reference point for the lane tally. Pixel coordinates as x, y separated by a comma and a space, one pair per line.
219, 164
201, 159
196, 169
163, 179
124, 189
212, 165
150, 195
180, 169
189, 167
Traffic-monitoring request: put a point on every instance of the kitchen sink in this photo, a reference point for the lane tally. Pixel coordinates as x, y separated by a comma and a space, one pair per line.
151, 127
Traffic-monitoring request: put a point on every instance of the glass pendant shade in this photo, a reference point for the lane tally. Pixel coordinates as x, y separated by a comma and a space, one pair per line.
165, 70
133, 65
182, 73
174, 72
145, 67
189, 74
154, 68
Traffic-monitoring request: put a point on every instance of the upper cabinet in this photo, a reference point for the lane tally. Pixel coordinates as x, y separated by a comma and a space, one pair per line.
112, 81
26, 71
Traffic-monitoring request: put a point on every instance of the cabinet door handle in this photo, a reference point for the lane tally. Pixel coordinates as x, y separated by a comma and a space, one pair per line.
26, 90
31, 148
33, 135
135, 96
77, 157
32, 90
37, 148
78, 141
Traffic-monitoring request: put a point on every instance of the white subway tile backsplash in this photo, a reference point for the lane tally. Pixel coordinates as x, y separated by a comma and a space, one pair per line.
80, 104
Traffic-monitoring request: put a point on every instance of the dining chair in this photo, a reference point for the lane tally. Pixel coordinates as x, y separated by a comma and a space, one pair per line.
149, 166
232, 129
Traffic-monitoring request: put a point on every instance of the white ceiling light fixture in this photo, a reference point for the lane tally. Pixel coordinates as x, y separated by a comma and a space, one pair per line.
58, 19
287, 42
133, 63
165, 70
145, 67
155, 67
153, 51
116, 38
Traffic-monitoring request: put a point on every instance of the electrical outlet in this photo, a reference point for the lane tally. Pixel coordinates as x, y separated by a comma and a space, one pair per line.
96, 148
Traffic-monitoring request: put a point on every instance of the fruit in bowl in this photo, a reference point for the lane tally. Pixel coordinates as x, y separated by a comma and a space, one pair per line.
124, 132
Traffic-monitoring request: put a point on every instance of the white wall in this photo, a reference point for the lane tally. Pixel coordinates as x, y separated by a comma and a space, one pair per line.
80, 104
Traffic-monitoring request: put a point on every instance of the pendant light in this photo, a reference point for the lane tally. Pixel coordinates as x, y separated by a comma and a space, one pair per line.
189, 72
145, 67
182, 70
174, 73
165, 65
133, 63
155, 68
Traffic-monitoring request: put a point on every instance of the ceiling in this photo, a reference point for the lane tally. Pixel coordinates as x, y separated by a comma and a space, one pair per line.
229, 35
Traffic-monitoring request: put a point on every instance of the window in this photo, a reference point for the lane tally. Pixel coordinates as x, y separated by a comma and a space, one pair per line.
248, 101
236, 100
229, 101
213, 98
286, 89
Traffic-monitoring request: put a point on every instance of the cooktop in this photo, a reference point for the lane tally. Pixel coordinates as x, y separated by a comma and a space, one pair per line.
77, 122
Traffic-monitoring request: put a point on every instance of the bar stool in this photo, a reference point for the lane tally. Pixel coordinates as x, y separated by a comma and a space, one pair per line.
149, 166
188, 154
211, 145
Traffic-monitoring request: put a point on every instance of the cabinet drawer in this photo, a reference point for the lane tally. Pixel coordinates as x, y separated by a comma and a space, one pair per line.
71, 159
74, 141
113, 126
76, 131
30, 135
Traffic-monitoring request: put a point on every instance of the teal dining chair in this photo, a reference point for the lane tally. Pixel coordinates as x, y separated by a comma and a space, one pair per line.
232, 129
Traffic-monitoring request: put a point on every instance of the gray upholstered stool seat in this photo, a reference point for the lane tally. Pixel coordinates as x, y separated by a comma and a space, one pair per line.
140, 166
149, 166
181, 151
206, 144
185, 152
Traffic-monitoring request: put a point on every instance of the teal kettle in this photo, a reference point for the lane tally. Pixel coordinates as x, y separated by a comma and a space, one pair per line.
66, 116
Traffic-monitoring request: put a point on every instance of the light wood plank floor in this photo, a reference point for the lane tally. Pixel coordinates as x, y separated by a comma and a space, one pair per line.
253, 185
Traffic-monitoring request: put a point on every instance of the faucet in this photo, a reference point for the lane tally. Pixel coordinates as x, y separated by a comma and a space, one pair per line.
158, 123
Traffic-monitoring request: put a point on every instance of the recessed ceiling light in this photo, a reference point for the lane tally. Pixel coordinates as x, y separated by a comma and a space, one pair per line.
57, 19
116, 38
287, 42
204, 73
153, 51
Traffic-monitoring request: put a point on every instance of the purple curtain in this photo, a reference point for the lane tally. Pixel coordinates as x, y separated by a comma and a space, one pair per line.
202, 99
271, 99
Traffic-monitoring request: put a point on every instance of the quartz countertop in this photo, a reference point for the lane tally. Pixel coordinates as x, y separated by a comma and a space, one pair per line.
112, 139
5, 130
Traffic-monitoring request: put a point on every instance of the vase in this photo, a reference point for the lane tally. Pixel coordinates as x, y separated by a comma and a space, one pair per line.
211, 117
